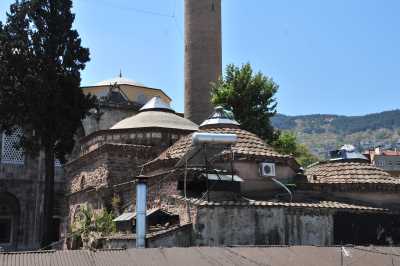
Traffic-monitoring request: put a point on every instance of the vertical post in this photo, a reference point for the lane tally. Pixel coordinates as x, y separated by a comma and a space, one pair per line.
232, 163
341, 256
141, 206
206, 165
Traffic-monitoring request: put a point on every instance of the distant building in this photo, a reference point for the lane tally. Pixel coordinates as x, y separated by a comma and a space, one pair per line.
387, 160
119, 98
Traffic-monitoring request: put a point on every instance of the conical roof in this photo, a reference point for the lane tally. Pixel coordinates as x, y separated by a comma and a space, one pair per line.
156, 103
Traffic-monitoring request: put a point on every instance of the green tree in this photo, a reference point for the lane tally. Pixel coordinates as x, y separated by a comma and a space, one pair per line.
89, 226
250, 97
287, 144
41, 58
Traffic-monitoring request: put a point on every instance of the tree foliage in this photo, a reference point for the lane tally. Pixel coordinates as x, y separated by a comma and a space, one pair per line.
250, 96
287, 144
89, 226
40, 62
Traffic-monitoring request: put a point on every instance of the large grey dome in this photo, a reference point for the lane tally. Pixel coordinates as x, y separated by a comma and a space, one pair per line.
158, 114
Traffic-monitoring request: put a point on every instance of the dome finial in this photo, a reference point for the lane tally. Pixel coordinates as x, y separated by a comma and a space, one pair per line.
220, 117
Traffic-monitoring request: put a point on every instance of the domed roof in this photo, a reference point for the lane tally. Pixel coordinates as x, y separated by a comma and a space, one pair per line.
348, 171
248, 146
156, 113
119, 81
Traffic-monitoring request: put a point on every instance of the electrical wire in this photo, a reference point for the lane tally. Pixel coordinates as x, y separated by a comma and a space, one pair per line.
171, 16
137, 10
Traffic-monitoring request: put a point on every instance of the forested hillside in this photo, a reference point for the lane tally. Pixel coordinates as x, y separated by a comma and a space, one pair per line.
322, 133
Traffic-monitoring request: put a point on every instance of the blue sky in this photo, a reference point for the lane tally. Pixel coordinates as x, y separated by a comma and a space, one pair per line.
339, 56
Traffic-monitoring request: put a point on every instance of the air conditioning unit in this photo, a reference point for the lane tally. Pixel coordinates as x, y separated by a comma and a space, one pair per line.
267, 169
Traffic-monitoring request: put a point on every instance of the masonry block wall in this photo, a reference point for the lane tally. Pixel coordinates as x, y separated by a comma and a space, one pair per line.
218, 226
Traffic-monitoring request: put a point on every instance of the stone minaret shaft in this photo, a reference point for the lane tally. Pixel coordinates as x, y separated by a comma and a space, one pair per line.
202, 55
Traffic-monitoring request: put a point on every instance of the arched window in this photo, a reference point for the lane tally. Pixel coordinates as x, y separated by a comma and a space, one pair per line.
6, 224
9, 215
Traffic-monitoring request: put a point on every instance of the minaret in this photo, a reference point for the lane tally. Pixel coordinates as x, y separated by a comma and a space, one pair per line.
202, 56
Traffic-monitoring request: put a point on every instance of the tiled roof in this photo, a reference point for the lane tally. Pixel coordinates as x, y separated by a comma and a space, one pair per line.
251, 256
348, 172
248, 146
333, 205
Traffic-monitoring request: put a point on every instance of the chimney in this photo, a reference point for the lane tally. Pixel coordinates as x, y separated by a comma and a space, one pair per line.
141, 206
203, 58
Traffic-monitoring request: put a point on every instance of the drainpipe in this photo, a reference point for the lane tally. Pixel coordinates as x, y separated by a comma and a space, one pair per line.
141, 205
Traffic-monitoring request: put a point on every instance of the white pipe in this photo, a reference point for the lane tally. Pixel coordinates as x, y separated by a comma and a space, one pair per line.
285, 187
141, 204
199, 138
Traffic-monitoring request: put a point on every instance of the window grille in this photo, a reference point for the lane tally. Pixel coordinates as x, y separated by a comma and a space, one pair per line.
9, 153
57, 163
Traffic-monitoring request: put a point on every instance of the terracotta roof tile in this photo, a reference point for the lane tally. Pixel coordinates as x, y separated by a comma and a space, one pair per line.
248, 146
305, 205
348, 172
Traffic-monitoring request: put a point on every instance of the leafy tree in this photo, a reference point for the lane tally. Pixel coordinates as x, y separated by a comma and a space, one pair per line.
250, 96
89, 226
287, 144
40, 62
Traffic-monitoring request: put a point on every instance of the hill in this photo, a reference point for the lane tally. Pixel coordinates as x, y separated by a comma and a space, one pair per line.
322, 133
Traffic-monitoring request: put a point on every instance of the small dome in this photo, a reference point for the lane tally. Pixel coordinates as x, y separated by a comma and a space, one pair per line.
119, 81
220, 117
156, 113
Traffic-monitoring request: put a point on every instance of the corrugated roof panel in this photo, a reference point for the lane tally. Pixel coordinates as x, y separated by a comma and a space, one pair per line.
127, 216
236, 178
206, 256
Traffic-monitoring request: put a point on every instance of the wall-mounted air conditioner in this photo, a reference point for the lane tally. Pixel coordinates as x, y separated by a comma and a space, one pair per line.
267, 169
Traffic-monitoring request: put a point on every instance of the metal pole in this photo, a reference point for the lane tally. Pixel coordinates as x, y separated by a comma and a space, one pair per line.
341, 255
206, 165
141, 205
232, 163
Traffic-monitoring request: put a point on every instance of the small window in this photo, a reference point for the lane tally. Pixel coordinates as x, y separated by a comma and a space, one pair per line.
10, 153
5, 230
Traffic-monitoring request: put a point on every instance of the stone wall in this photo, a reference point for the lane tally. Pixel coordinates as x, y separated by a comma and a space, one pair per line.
237, 225
158, 138
109, 117
23, 184
96, 177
